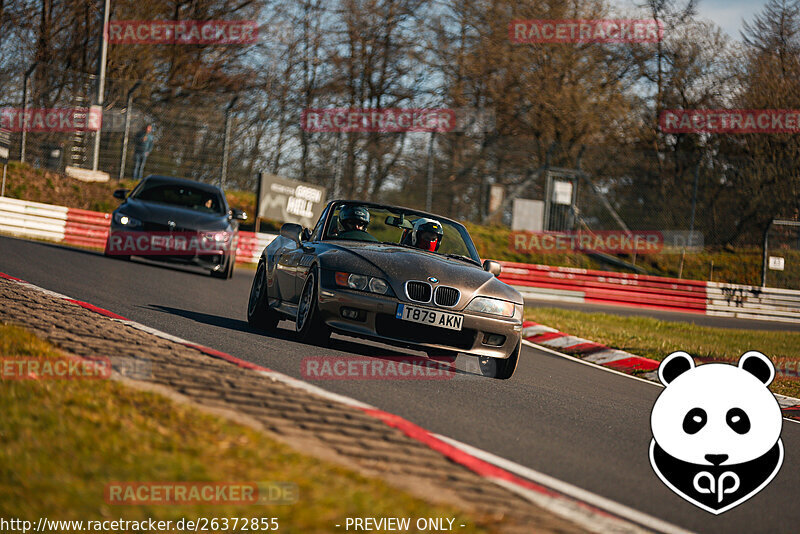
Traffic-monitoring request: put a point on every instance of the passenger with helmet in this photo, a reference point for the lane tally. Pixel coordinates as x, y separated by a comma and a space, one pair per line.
353, 223
425, 234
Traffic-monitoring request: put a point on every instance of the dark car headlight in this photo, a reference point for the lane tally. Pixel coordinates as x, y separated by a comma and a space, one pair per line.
362, 282
492, 306
219, 237
126, 220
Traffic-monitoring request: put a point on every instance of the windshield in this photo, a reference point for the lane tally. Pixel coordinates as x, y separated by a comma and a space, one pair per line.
396, 226
182, 196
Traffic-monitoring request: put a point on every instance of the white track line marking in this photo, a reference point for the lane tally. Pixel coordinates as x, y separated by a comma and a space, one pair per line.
606, 369
549, 503
590, 364
568, 489
315, 390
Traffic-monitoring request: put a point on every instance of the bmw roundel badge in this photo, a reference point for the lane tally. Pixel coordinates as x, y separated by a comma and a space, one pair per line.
432, 279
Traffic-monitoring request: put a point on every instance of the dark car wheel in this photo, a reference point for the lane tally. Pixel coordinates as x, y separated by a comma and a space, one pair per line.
259, 315
114, 256
502, 369
226, 273
309, 325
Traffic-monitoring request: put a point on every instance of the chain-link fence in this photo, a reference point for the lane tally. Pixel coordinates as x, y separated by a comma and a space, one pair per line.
708, 203
782, 267
188, 127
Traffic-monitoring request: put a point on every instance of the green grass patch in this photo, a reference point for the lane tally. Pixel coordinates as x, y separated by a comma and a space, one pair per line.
654, 338
63, 441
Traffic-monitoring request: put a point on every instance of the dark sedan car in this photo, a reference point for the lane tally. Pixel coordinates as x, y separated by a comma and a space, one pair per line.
176, 220
393, 274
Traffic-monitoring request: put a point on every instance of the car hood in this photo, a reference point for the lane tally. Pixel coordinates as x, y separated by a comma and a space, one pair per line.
400, 264
153, 212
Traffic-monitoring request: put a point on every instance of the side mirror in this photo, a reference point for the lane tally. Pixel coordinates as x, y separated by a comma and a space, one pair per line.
121, 193
492, 267
306, 234
238, 215
292, 231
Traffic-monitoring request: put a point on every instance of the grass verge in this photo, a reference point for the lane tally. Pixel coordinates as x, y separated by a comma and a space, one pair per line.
654, 338
63, 441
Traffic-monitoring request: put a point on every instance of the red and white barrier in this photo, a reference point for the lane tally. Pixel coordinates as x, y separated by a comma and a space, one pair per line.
544, 282
251, 245
586, 285
86, 228
89, 228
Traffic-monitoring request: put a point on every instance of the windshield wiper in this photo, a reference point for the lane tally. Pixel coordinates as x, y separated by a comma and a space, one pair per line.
463, 258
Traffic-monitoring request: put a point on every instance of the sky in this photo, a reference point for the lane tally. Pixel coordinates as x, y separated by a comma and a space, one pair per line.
730, 14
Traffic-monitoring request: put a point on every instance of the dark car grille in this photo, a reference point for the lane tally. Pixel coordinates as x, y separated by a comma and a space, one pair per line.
391, 327
158, 227
419, 291
446, 296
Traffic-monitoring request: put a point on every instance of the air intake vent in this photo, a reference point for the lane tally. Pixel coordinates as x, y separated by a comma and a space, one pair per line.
418, 291
446, 296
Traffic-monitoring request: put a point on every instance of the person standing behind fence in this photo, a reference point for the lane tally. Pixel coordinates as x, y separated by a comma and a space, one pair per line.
144, 144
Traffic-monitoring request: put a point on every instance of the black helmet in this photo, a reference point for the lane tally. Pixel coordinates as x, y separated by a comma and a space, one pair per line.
351, 216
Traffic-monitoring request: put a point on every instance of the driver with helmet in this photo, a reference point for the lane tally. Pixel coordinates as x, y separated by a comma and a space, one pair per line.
425, 234
353, 222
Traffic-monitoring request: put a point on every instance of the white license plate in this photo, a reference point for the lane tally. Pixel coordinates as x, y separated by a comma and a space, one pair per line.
441, 319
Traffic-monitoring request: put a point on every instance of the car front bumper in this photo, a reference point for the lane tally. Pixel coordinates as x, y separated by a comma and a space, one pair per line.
208, 259
377, 320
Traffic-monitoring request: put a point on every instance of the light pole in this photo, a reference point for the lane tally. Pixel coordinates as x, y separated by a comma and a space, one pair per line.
227, 143
25, 110
101, 82
429, 192
127, 130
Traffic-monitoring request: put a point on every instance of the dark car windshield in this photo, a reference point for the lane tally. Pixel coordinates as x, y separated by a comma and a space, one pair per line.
183, 196
392, 225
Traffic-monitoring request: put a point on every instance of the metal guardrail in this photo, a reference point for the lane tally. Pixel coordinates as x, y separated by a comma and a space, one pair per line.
547, 283
542, 282
89, 228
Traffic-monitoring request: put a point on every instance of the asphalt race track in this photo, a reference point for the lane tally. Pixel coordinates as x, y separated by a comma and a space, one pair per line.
667, 315
576, 422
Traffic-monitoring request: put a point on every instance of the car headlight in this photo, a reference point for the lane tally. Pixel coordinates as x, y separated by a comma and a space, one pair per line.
126, 220
362, 282
216, 236
377, 285
492, 306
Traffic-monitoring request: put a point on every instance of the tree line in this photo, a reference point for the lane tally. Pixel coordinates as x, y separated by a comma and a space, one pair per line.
587, 106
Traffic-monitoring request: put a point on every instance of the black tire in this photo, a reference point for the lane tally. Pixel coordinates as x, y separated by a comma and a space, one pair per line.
122, 257
225, 273
259, 315
310, 327
501, 369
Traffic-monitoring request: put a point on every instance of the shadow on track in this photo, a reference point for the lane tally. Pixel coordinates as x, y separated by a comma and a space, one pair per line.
337, 344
